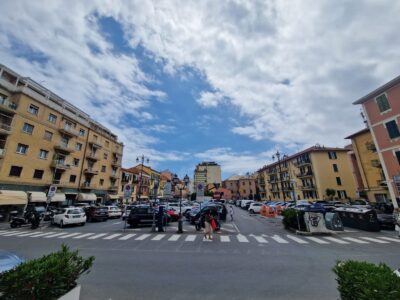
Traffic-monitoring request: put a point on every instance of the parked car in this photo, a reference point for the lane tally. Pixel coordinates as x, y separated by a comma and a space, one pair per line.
244, 202
247, 205
68, 216
238, 203
44, 214
143, 215
96, 213
126, 211
9, 260
114, 211
386, 220
185, 207
255, 207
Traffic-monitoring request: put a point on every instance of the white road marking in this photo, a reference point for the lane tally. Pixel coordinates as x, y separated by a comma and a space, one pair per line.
317, 240
355, 240
335, 240
260, 239
15, 233
116, 223
237, 229
42, 234
229, 230
242, 239
389, 239
142, 237
54, 235
8, 231
225, 238
296, 239
279, 240
110, 237
158, 237
28, 234
69, 235
127, 237
373, 240
174, 237
190, 238
82, 235
97, 236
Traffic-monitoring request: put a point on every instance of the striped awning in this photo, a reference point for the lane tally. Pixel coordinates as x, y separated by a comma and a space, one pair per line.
37, 197
8, 197
58, 197
87, 197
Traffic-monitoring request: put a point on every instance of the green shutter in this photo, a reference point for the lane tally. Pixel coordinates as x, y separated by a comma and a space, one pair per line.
383, 103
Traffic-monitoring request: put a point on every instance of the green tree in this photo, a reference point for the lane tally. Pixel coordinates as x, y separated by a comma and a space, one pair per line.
330, 193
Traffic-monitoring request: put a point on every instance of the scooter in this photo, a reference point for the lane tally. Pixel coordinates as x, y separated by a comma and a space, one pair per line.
32, 218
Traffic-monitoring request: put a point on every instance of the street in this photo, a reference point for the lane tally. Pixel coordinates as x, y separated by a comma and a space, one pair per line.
252, 258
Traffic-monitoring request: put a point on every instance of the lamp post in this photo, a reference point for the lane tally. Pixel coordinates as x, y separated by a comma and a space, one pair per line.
277, 155
141, 159
181, 188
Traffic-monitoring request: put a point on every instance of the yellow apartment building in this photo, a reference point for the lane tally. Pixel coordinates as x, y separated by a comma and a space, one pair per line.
307, 175
367, 170
45, 140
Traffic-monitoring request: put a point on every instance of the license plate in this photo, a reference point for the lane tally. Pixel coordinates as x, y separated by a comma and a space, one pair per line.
75, 217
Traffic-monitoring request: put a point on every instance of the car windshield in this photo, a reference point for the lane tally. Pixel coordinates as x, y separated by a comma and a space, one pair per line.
75, 211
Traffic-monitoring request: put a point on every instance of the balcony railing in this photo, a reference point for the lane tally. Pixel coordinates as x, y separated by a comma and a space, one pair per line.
113, 188
59, 164
302, 163
307, 187
306, 174
92, 156
86, 185
116, 162
68, 131
376, 163
63, 147
91, 171
370, 146
114, 176
8, 106
5, 128
95, 144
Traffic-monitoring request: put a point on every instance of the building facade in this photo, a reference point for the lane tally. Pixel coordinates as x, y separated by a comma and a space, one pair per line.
382, 110
307, 175
367, 170
45, 140
241, 187
207, 173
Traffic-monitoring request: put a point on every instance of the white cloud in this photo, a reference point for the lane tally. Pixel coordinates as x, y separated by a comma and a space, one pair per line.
208, 99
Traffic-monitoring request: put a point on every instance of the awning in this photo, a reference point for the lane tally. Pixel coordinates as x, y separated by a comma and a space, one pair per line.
87, 197
8, 197
37, 197
58, 197
113, 197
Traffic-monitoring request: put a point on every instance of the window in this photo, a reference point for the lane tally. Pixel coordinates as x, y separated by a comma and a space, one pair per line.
43, 154
76, 162
38, 174
382, 102
28, 128
68, 125
15, 171
72, 178
332, 155
78, 147
103, 168
338, 181
33, 109
105, 155
107, 143
335, 168
22, 148
64, 141
81, 132
95, 138
342, 194
392, 129
48, 135
101, 181
52, 118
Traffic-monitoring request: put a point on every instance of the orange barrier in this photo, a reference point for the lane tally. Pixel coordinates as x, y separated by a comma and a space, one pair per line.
270, 212
263, 210
278, 210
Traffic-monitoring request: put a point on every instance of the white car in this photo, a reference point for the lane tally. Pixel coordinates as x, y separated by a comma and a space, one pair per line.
244, 202
255, 208
175, 206
70, 215
114, 212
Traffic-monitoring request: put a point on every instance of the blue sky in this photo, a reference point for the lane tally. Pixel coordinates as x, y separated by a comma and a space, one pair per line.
232, 82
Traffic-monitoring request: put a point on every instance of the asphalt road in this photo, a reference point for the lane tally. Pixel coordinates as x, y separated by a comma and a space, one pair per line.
252, 258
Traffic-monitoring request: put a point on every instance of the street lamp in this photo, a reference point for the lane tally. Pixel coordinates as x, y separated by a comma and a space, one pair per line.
277, 155
141, 159
181, 188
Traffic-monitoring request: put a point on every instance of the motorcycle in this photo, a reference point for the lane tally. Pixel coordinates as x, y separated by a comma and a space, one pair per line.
32, 218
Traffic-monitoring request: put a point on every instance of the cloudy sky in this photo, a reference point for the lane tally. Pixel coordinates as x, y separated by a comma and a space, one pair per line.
228, 81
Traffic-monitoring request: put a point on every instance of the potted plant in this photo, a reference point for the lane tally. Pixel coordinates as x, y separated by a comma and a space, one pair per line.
49, 277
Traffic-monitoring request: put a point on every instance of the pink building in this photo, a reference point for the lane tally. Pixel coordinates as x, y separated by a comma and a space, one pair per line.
382, 111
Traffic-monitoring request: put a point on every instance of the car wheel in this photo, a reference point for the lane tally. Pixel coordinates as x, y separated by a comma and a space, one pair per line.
83, 224
61, 224
12, 225
251, 211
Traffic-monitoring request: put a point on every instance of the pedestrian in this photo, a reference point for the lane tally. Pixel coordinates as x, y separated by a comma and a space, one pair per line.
207, 227
231, 212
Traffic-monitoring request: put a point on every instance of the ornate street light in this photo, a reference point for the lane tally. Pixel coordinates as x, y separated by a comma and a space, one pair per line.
141, 159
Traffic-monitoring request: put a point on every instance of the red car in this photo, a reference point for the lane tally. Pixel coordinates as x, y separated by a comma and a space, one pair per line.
173, 214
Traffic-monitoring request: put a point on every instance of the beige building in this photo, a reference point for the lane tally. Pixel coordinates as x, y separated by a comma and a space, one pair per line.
367, 169
307, 175
45, 140
207, 173
241, 187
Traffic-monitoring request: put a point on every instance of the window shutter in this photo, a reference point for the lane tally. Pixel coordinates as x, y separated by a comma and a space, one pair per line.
383, 103
392, 129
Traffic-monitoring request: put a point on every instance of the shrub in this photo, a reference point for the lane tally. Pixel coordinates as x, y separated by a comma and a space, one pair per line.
290, 219
366, 281
48, 277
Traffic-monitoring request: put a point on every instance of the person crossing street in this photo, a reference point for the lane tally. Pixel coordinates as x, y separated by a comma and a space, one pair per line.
231, 212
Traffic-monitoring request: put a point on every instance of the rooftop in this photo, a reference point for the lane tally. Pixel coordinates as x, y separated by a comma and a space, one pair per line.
379, 90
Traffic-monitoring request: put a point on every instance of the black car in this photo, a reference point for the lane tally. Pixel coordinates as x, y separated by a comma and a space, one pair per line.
200, 217
386, 220
96, 213
143, 215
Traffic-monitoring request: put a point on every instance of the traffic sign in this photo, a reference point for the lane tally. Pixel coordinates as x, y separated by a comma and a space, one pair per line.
127, 191
52, 191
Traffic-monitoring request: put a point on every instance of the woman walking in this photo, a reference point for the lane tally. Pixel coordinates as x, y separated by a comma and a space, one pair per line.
207, 227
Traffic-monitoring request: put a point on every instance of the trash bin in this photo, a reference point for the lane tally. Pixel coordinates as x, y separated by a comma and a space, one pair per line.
359, 218
333, 221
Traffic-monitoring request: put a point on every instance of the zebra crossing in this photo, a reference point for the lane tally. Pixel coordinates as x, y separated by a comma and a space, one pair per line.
190, 238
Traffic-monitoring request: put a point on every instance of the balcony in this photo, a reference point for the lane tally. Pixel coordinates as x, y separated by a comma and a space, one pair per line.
2, 152
307, 187
116, 163
92, 156
60, 165
306, 174
113, 188
302, 163
376, 163
67, 130
274, 171
63, 148
94, 144
114, 176
86, 185
382, 183
5, 128
91, 171
7, 106
370, 146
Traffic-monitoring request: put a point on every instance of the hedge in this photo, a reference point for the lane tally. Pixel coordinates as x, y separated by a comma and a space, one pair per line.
366, 281
291, 220
45, 278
